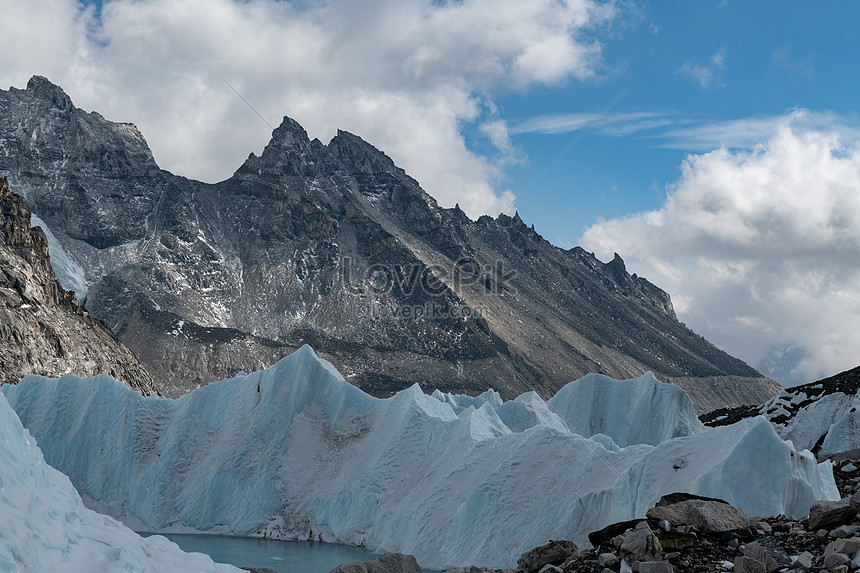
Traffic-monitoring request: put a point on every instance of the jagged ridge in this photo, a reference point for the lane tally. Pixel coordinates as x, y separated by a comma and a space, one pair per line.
281, 254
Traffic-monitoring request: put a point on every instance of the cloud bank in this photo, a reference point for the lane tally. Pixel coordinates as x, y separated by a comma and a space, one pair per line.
760, 249
406, 76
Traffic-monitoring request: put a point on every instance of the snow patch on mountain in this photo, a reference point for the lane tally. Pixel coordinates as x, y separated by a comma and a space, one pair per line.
296, 452
69, 273
45, 526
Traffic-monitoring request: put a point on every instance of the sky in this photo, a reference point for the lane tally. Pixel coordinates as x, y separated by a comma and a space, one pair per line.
723, 165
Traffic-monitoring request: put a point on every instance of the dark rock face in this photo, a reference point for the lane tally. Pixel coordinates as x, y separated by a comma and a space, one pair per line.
335, 246
42, 328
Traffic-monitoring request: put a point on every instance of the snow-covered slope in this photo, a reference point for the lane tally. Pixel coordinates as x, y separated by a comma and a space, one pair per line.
44, 526
295, 451
69, 273
821, 416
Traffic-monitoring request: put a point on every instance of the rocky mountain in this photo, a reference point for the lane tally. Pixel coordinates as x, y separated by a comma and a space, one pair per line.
335, 246
822, 416
43, 330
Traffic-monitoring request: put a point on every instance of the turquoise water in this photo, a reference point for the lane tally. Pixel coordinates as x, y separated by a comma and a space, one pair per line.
280, 556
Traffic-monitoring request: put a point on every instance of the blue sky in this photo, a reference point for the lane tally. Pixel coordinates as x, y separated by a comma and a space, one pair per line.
692, 64
728, 174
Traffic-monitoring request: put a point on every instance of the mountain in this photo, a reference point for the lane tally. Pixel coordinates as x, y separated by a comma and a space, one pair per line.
335, 246
43, 330
820, 416
296, 452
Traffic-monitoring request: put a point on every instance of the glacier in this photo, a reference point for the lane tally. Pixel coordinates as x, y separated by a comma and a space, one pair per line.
296, 452
69, 273
46, 527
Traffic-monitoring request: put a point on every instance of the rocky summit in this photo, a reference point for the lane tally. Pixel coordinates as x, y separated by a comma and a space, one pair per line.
335, 246
43, 330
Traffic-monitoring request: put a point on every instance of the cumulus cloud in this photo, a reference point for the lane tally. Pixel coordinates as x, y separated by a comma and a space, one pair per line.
406, 76
760, 249
705, 74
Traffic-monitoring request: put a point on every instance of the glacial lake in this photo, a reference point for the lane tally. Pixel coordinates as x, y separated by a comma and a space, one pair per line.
280, 556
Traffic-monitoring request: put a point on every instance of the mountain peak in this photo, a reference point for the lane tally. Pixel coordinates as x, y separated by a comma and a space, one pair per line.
290, 133
43, 88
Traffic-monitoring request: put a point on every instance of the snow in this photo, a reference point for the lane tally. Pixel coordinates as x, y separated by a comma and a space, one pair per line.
296, 452
833, 414
45, 526
69, 273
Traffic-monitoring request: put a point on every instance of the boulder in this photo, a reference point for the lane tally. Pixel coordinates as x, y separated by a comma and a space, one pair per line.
845, 546
745, 564
854, 502
824, 514
607, 559
641, 544
716, 517
553, 553
391, 563
755, 551
803, 561
836, 560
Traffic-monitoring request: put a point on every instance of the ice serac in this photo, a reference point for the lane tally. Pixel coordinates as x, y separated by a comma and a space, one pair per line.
202, 280
295, 451
45, 526
639, 411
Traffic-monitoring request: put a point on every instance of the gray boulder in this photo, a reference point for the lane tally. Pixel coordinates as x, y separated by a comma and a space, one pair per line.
391, 563
760, 554
824, 514
836, 560
641, 544
803, 561
744, 564
715, 517
553, 553
845, 546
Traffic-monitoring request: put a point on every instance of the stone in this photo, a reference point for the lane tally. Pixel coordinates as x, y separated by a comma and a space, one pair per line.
845, 546
391, 563
824, 514
775, 550
642, 545
552, 553
551, 569
755, 551
677, 540
854, 502
715, 517
745, 564
607, 559
836, 560
655, 567
803, 561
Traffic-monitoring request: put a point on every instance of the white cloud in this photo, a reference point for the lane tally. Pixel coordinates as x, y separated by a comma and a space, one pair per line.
760, 248
405, 76
705, 74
